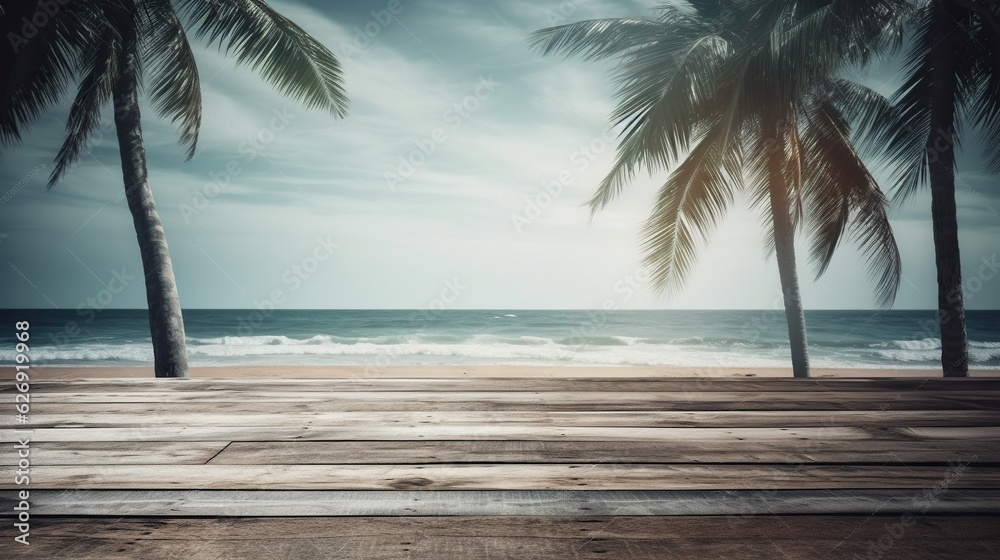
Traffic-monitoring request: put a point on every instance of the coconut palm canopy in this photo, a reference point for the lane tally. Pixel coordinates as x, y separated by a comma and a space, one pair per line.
727, 96
113, 45
82, 42
952, 84
694, 91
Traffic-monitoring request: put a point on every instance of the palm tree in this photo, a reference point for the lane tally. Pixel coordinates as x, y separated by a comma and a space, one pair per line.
740, 95
113, 45
952, 78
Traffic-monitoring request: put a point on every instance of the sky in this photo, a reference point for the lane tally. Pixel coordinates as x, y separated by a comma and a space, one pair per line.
462, 169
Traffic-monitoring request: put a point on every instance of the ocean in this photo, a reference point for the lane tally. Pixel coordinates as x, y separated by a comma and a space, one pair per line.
851, 339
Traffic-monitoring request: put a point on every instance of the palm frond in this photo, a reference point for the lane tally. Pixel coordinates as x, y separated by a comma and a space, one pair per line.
759, 182
175, 89
968, 72
986, 107
864, 108
274, 46
830, 34
731, 72
93, 95
597, 38
872, 233
709, 9
659, 106
794, 163
756, 179
40, 69
841, 193
688, 207
905, 131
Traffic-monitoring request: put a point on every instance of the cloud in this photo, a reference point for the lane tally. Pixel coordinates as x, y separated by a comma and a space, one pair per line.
470, 163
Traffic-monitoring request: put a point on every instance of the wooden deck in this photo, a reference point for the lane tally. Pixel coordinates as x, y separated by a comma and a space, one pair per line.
509, 468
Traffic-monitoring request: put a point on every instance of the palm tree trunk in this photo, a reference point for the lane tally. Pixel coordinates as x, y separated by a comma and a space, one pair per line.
941, 167
784, 246
166, 324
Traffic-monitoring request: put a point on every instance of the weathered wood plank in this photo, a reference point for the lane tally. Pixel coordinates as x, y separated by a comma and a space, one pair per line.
492, 451
416, 547
507, 384
263, 394
862, 528
116, 452
298, 503
500, 451
509, 476
422, 452
69, 417
561, 400
524, 538
497, 432
731, 448
816, 411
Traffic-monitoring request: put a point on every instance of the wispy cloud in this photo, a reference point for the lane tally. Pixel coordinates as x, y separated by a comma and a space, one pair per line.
423, 181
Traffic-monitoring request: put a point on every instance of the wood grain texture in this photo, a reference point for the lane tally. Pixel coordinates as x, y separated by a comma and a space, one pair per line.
525, 538
277, 408
610, 384
70, 416
817, 406
432, 432
903, 451
548, 447
597, 476
116, 453
631, 527
422, 452
251, 393
324, 503
415, 547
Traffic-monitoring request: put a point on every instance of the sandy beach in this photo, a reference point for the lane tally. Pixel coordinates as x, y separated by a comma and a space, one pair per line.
472, 371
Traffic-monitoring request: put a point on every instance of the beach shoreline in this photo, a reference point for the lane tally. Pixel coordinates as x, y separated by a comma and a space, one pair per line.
471, 371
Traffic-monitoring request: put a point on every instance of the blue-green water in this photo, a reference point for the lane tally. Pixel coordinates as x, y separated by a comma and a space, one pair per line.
905, 339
